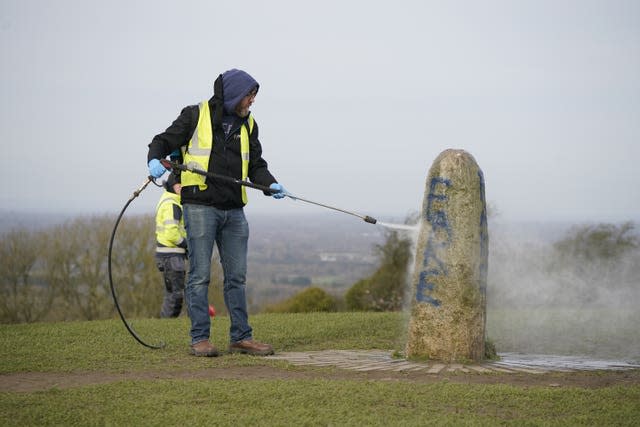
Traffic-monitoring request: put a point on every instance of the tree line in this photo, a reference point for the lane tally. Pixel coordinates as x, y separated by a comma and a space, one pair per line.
60, 273
589, 265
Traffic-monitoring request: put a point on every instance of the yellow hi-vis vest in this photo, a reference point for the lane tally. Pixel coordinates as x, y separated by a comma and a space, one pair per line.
169, 231
198, 150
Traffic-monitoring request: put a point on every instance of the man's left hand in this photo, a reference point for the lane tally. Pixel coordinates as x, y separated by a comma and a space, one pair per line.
280, 192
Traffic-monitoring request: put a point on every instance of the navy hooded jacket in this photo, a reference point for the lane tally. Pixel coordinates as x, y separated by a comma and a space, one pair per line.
225, 154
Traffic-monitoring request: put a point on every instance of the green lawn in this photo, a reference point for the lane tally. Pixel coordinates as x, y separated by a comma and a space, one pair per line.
105, 346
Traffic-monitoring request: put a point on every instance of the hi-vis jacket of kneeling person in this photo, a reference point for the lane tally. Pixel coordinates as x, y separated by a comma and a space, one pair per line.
211, 136
170, 231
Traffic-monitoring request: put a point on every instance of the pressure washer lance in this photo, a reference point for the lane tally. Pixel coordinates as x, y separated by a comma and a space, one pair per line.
172, 165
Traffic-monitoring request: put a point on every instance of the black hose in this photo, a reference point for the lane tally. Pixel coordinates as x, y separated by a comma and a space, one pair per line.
113, 290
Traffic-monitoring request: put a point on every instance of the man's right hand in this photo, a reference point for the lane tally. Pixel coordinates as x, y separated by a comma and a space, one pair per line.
156, 169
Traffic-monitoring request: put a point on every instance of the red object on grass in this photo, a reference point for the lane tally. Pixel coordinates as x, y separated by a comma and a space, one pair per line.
212, 311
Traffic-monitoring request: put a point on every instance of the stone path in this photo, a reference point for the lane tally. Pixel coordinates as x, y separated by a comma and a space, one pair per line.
382, 360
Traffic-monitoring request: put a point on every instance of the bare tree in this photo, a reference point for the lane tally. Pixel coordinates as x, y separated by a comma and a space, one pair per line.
138, 282
384, 290
75, 262
24, 297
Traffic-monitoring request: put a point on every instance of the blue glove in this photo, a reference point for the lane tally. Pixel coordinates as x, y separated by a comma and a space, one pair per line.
155, 168
281, 192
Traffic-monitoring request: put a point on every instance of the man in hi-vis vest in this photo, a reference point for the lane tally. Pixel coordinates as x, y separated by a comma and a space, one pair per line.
219, 136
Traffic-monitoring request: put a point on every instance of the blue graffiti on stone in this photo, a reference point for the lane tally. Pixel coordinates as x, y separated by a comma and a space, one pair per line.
439, 238
435, 215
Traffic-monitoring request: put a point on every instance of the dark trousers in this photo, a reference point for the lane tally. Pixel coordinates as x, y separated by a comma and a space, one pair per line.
172, 267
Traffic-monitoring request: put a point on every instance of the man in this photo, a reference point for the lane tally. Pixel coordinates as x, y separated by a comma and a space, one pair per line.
171, 247
220, 136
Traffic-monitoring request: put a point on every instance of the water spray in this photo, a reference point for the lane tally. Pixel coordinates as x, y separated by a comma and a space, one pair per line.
403, 227
172, 165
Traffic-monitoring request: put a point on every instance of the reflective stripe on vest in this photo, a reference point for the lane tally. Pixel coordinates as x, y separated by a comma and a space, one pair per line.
198, 151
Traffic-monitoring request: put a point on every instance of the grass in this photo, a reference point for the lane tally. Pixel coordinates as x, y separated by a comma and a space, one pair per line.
105, 346
317, 402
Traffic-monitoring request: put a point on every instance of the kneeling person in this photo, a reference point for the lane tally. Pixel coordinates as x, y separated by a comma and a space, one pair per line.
171, 247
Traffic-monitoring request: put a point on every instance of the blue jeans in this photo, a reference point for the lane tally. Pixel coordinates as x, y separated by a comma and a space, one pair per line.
229, 229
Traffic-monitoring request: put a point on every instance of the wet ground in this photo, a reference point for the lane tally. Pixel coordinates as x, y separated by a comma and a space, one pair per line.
562, 363
381, 360
518, 370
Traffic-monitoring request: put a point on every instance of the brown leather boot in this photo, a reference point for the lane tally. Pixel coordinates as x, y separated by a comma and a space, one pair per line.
203, 348
252, 347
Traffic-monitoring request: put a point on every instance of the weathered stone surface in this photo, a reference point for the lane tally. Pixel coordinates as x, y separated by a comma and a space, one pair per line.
448, 293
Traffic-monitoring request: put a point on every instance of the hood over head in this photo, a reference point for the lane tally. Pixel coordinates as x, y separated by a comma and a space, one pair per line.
236, 84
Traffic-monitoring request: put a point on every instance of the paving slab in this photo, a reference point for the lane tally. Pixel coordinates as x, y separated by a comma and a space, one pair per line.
509, 363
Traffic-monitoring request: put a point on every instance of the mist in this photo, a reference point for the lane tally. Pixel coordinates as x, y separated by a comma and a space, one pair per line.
538, 303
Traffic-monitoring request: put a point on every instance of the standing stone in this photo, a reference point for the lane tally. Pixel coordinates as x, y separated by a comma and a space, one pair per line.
449, 282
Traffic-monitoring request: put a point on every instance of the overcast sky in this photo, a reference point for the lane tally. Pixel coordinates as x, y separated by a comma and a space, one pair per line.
357, 99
